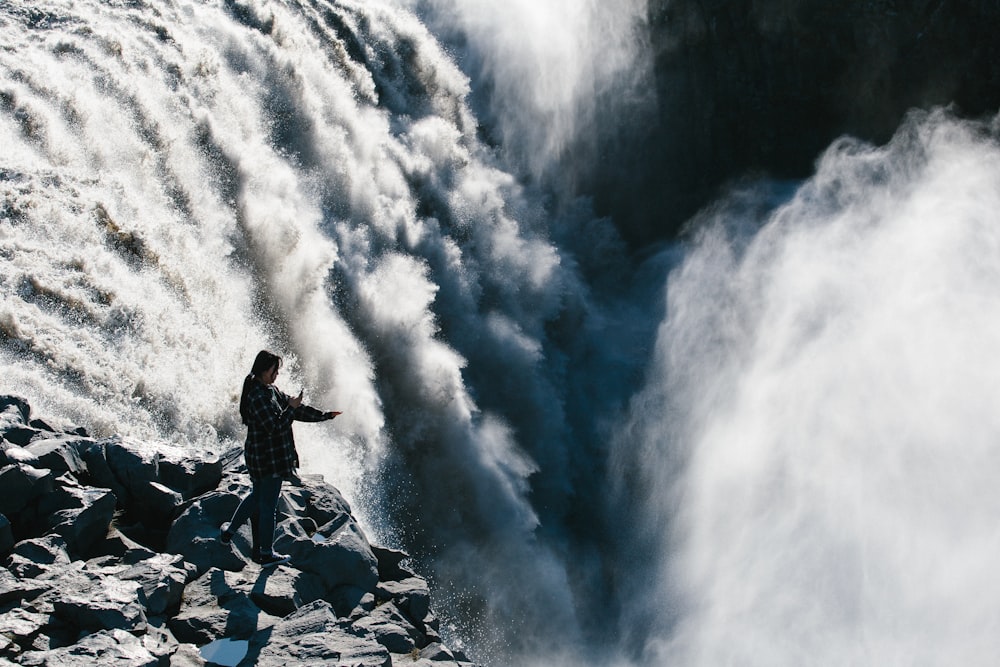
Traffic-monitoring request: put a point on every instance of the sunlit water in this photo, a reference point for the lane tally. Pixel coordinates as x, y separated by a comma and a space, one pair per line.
795, 468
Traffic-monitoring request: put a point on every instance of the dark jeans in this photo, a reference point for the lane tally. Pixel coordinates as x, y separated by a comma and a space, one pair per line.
260, 505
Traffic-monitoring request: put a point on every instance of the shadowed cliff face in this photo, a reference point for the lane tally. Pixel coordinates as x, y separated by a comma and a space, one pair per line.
747, 87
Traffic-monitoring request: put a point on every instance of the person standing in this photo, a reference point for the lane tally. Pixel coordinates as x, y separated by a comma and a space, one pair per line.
270, 453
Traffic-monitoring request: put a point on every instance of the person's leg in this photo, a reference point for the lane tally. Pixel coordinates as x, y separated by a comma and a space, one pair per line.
267, 498
246, 507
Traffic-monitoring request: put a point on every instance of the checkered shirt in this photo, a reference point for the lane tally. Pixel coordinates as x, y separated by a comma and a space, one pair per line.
270, 447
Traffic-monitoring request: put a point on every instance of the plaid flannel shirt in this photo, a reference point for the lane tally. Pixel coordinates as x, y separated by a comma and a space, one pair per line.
270, 447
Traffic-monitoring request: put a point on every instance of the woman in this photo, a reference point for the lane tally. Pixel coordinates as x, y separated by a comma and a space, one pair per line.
269, 451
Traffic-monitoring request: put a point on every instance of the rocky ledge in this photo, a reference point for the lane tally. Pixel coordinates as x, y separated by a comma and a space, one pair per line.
112, 557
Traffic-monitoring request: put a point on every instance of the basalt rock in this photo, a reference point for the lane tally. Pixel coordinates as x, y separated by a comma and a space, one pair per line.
112, 556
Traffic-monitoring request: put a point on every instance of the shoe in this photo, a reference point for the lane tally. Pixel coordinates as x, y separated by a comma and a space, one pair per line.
224, 535
270, 560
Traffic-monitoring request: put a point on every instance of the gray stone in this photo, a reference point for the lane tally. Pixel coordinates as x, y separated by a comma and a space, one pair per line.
282, 590
310, 496
390, 628
14, 410
15, 453
119, 546
389, 563
189, 475
161, 580
99, 472
22, 626
412, 596
95, 601
216, 605
59, 454
312, 635
32, 558
21, 484
195, 533
107, 648
81, 514
16, 590
343, 557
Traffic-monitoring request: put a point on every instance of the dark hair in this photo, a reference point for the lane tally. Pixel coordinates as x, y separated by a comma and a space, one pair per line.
265, 361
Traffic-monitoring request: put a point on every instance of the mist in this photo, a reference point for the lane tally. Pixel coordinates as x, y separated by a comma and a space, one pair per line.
816, 441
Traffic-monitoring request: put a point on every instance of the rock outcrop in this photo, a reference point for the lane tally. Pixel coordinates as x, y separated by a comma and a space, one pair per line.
112, 556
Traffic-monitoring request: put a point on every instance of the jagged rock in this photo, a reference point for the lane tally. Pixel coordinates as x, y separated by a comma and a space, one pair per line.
188, 475
93, 600
136, 465
282, 590
16, 590
99, 472
340, 557
412, 596
118, 545
391, 629
14, 417
81, 514
108, 648
313, 635
14, 410
161, 580
16, 454
21, 485
22, 626
32, 558
186, 655
310, 496
61, 454
351, 602
389, 563
195, 533
145, 608
214, 606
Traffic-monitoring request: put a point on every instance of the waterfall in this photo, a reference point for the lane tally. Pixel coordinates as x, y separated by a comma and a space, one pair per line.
769, 442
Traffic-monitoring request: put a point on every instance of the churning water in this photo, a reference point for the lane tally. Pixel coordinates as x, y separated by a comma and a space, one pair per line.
773, 443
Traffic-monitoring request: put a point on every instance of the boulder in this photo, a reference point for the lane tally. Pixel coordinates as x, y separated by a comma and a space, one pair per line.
390, 563
390, 628
33, 558
121, 547
60, 454
107, 648
412, 596
215, 606
338, 558
137, 464
195, 533
99, 471
96, 600
312, 635
81, 514
17, 454
161, 581
21, 485
310, 496
22, 626
14, 410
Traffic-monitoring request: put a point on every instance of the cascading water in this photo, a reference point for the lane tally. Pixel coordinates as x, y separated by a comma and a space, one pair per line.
802, 476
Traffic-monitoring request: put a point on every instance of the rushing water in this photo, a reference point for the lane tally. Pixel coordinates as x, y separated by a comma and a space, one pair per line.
771, 443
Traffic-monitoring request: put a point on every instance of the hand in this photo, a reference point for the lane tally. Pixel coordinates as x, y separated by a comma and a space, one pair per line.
331, 415
295, 402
